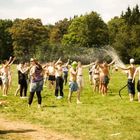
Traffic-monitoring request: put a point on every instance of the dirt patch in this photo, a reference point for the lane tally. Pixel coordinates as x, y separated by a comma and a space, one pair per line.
15, 130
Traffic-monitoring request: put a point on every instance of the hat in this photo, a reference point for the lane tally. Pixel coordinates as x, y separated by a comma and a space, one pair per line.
132, 61
32, 59
74, 64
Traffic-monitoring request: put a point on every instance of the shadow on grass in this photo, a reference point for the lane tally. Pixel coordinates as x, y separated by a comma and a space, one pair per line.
52, 106
16, 131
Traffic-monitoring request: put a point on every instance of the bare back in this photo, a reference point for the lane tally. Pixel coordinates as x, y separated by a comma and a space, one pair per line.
131, 72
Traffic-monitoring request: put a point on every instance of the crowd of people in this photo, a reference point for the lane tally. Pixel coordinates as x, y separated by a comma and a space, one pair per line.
56, 74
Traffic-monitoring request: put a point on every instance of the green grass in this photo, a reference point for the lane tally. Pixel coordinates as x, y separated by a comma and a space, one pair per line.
98, 118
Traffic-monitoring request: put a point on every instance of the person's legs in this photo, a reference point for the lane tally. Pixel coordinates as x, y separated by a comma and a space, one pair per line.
78, 97
10, 80
105, 89
131, 89
5, 89
138, 96
102, 89
138, 89
21, 89
69, 96
131, 97
57, 87
61, 86
38, 93
65, 78
31, 97
106, 82
17, 90
25, 88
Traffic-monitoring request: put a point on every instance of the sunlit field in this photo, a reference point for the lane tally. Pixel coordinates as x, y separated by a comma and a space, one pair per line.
97, 118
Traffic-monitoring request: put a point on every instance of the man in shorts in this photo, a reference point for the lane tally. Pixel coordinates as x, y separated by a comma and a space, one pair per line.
138, 83
130, 84
73, 86
104, 76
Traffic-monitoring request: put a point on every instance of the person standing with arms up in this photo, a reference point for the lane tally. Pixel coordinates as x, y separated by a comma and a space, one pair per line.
36, 84
5, 74
59, 79
73, 86
104, 77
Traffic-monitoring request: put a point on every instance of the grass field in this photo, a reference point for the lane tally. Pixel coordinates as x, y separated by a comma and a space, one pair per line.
98, 118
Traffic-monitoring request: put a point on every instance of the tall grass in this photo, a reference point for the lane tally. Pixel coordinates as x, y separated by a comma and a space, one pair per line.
98, 118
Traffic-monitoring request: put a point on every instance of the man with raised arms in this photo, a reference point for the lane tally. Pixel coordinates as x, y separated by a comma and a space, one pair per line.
104, 76
73, 86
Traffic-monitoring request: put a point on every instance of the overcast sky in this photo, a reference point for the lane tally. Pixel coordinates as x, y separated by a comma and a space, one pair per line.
51, 11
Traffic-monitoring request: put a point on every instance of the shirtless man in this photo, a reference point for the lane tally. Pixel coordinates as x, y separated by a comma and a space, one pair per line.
80, 80
80, 76
104, 77
73, 86
138, 83
131, 86
5, 75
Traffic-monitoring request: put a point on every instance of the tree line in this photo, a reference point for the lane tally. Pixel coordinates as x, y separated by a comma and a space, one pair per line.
71, 38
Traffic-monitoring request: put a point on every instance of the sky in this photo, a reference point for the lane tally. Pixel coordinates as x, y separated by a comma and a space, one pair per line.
51, 11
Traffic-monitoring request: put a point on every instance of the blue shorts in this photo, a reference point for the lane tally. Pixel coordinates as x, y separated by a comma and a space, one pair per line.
36, 86
73, 86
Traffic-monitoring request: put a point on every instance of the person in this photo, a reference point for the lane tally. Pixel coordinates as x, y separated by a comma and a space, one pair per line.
138, 82
22, 79
80, 80
1, 79
90, 75
95, 77
46, 73
65, 72
131, 85
18, 88
59, 79
36, 82
5, 74
51, 72
104, 77
73, 86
